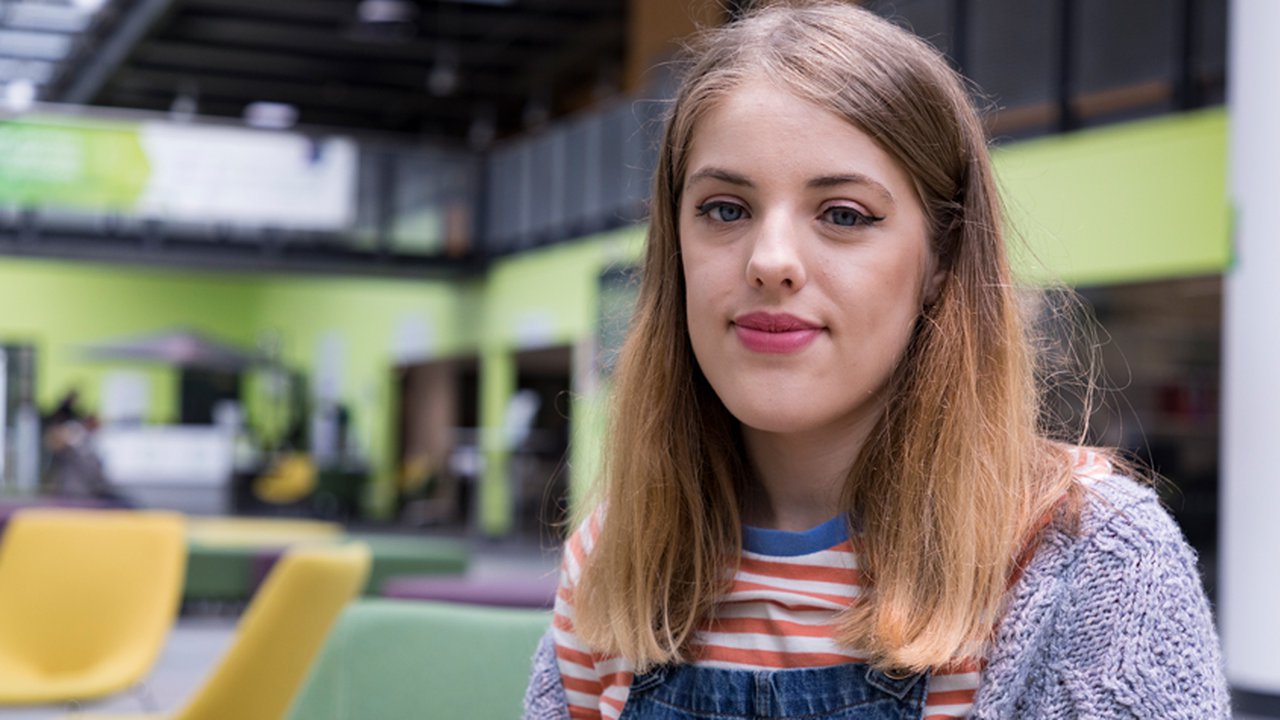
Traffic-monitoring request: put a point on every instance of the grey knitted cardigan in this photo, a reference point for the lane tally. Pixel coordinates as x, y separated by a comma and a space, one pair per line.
1110, 622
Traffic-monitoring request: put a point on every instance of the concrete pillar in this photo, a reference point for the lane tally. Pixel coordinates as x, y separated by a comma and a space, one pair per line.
1249, 606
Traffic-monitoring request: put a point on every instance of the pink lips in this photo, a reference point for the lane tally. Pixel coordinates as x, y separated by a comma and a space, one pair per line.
774, 333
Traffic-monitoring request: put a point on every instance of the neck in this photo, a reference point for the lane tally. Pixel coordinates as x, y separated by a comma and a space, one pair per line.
800, 477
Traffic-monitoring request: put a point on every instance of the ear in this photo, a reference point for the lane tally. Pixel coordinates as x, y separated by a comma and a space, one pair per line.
933, 284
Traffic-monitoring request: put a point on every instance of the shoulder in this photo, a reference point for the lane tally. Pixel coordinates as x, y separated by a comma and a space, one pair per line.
1126, 541
1119, 507
1110, 618
1118, 518
1125, 536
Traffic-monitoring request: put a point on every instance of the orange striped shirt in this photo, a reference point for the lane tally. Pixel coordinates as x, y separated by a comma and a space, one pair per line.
779, 613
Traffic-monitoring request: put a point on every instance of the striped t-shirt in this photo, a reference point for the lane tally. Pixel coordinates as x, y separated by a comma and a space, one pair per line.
779, 613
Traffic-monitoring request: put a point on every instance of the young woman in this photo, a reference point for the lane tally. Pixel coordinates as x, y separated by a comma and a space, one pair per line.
827, 492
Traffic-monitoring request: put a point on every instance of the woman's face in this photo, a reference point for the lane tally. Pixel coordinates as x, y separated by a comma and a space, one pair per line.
806, 261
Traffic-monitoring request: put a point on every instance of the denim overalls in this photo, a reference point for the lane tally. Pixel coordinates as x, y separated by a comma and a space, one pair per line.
840, 692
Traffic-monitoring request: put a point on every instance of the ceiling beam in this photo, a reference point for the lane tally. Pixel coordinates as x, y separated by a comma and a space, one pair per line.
317, 11
355, 122
578, 54
294, 92
218, 59
91, 72
273, 35
508, 25
159, 250
455, 20
579, 6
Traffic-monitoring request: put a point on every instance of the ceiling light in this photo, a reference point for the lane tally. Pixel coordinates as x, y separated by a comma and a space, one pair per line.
379, 12
19, 95
89, 6
184, 108
270, 115
482, 131
537, 111
443, 79
186, 103
384, 21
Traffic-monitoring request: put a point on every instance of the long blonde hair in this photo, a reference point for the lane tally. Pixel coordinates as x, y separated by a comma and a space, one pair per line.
951, 484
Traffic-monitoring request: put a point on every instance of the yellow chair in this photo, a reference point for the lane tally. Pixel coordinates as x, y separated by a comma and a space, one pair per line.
290, 479
87, 598
278, 636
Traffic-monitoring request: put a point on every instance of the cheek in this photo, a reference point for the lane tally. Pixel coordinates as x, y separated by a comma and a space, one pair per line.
705, 308
695, 303
702, 278
904, 282
691, 282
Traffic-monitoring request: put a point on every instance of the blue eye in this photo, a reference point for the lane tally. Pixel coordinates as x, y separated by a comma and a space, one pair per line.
848, 217
722, 211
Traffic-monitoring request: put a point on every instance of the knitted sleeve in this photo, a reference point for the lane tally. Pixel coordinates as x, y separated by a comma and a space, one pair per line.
1145, 643
1129, 633
545, 699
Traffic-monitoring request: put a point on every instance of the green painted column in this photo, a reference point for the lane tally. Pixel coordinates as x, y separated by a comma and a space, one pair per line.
587, 433
497, 385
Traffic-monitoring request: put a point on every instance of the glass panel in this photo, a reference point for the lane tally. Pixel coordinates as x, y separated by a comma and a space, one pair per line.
1125, 49
930, 19
1209, 64
1012, 51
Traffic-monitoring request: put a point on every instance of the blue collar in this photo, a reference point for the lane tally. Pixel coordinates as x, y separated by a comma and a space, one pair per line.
784, 543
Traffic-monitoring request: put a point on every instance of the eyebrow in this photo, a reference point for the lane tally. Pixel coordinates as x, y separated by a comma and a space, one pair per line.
828, 181
822, 181
715, 173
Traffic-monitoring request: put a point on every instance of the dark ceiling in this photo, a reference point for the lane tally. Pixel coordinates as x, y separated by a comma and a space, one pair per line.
454, 70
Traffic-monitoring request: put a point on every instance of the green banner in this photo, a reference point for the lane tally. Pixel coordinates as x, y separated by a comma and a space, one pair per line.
62, 163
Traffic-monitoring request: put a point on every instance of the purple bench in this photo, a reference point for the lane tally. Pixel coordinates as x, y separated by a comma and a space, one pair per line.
522, 592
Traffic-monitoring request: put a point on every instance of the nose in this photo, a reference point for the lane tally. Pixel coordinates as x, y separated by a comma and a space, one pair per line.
776, 263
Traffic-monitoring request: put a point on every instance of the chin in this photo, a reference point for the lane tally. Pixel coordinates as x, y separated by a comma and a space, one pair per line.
781, 418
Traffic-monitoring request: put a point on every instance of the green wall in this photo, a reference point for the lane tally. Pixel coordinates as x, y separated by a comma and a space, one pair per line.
1131, 202
540, 299
60, 306
1124, 203
365, 316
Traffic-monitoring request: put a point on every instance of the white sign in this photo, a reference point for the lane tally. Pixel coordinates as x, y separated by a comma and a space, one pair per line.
277, 179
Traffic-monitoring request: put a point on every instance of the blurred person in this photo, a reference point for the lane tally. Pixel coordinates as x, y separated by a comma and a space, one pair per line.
829, 490
74, 469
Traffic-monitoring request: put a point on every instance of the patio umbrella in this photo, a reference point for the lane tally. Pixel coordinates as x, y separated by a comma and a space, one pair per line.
179, 347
